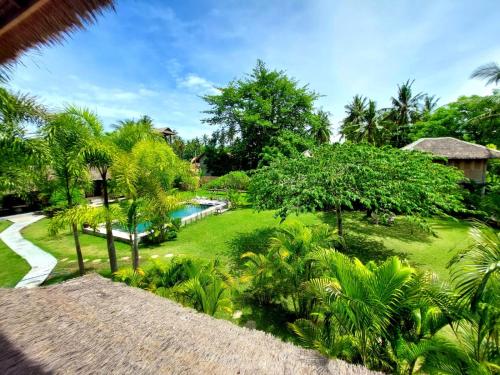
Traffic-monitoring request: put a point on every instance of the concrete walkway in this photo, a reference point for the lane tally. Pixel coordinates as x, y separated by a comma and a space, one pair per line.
41, 262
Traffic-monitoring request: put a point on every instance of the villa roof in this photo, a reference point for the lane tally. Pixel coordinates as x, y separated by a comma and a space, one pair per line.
166, 131
453, 148
93, 325
27, 24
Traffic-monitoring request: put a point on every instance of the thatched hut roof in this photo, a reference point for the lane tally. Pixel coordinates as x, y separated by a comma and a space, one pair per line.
26, 24
165, 131
452, 148
92, 325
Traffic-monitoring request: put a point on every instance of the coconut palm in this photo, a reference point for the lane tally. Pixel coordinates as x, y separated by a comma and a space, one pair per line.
355, 118
404, 112
320, 129
429, 105
489, 72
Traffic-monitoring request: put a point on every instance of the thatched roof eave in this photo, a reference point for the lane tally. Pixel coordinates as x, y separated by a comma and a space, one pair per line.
92, 325
28, 24
453, 149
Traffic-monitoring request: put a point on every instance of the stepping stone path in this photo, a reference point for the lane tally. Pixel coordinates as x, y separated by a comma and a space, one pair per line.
154, 256
86, 260
96, 261
169, 255
63, 260
125, 258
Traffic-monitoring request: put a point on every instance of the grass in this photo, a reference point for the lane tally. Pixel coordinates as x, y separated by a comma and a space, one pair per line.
212, 237
13, 266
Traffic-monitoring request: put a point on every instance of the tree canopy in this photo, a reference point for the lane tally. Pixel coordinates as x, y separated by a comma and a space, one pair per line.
251, 111
347, 175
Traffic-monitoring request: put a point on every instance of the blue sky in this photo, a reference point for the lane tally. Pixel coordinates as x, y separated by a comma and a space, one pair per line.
159, 57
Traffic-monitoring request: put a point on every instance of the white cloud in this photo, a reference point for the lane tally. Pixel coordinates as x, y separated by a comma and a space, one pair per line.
197, 84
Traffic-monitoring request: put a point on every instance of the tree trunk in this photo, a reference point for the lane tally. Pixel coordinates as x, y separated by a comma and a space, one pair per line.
338, 211
135, 250
81, 266
109, 230
74, 228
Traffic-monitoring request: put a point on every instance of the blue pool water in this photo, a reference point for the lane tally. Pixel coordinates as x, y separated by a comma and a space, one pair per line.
180, 213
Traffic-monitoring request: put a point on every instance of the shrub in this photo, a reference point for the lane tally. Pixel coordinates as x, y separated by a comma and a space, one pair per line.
237, 180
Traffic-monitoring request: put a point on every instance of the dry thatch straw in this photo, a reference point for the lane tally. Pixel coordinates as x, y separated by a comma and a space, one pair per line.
26, 24
92, 325
453, 148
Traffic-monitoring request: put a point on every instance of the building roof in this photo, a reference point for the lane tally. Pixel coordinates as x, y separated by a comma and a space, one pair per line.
166, 131
27, 24
452, 148
93, 325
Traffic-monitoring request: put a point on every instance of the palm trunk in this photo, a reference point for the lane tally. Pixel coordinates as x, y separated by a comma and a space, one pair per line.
109, 230
81, 266
74, 228
135, 250
338, 211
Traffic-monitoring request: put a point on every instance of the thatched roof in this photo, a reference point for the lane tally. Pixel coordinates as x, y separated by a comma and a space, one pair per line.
452, 148
26, 24
165, 131
92, 325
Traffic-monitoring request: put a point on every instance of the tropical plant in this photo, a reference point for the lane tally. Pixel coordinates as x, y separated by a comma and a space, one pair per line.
236, 180
343, 175
68, 134
404, 112
489, 72
24, 158
250, 112
320, 130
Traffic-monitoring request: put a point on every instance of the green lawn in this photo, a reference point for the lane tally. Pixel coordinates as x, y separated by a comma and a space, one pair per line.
211, 237
13, 266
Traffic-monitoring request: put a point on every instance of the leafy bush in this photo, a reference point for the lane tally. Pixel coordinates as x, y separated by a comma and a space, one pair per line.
237, 180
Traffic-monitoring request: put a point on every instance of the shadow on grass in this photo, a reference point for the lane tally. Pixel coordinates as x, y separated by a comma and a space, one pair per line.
357, 222
256, 241
365, 248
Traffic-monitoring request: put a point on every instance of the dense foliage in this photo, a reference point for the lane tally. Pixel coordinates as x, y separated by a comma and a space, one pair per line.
471, 118
347, 176
237, 180
250, 112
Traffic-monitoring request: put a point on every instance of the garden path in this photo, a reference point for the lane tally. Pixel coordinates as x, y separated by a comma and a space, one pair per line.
41, 262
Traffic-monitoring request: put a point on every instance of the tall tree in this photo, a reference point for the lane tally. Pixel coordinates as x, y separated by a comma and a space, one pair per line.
354, 120
68, 134
99, 154
404, 112
430, 104
249, 112
489, 72
127, 133
321, 127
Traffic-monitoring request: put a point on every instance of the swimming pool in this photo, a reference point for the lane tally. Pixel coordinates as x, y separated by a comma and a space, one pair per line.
180, 213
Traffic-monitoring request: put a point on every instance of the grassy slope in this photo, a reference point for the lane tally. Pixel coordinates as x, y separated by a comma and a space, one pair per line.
13, 266
209, 238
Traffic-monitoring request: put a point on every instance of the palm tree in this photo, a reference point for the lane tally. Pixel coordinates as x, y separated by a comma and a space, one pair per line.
404, 112
361, 299
430, 104
99, 154
321, 128
489, 72
23, 157
355, 118
67, 134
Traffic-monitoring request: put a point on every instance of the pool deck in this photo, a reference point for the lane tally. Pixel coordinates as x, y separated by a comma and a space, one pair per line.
122, 236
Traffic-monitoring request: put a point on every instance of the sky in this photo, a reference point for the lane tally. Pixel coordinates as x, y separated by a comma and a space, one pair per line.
159, 58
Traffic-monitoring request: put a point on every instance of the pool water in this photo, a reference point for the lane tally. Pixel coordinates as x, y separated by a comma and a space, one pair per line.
181, 212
